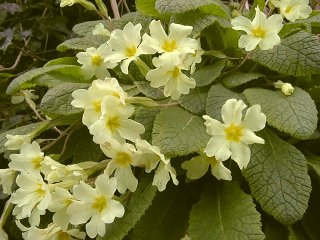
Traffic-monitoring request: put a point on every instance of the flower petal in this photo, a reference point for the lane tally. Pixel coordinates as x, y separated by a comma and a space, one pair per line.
254, 119
240, 154
196, 167
231, 111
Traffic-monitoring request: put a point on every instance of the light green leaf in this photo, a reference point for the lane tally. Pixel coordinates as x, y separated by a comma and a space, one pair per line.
82, 43
236, 79
195, 101
217, 96
297, 55
278, 178
146, 117
85, 149
180, 6
224, 212
295, 114
57, 100
63, 60
21, 131
169, 208
147, 7
137, 204
178, 132
208, 74
26, 80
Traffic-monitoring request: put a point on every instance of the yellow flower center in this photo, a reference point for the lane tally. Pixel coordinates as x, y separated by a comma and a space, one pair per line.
169, 45
131, 51
176, 72
63, 236
100, 203
112, 123
123, 159
68, 201
213, 161
259, 32
288, 9
234, 132
40, 191
97, 106
96, 60
37, 162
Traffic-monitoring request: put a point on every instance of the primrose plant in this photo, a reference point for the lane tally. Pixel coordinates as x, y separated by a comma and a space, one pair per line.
153, 99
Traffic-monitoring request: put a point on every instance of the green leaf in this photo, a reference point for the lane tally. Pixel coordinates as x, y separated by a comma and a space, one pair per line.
147, 7
57, 100
145, 88
208, 74
85, 149
146, 117
217, 96
224, 212
199, 20
273, 229
195, 101
138, 203
172, 131
82, 43
295, 114
296, 232
297, 55
236, 79
314, 165
169, 208
278, 178
20, 131
180, 6
26, 80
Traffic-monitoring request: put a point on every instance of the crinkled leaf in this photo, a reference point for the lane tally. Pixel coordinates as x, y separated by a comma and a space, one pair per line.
169, 208
178, 132
278, 178
295, 114
145, 88
180, 6
236, 79
199, 20
206, 75
146, 117
224, 212
63, 60
217, 96
297, 55
58, 99
20, 131
137, 204
195, 101
82, 43
27, 79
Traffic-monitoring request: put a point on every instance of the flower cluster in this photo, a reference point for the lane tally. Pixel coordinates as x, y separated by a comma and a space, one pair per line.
229, 139
176, 54
264, 31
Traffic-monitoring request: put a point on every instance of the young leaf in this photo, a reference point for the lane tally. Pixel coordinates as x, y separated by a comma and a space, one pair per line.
178, 132
26, 80
224, 212
138, 203
206, 75
195, 101
58, 99
167, 216
236, 79
297, 55
295, 114
217, 96
278, 178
